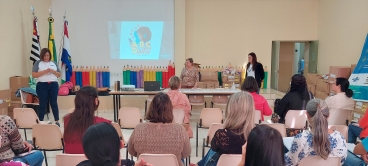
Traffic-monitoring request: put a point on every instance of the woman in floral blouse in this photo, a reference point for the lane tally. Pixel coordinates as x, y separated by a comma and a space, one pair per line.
189, 75
320, 141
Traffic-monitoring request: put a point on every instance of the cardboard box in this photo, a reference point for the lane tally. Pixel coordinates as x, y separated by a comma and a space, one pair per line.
321, 95
312, 88
209, 76
202, 85
13, 97
13, 104
212, 84
17, 82
323, 85
5, 100
339, 71
312, 78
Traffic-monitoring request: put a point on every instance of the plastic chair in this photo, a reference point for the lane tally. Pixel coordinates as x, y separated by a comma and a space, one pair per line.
211, 132
25, 118
147, 102
296, 119
120, 133
69, 159
340, 128
23, 99
257, 117
197, 100
229, 159
279, 127
220, 100
339, 117
319, 161
160, 159
206, 118
129, 117
47, 137
178, 116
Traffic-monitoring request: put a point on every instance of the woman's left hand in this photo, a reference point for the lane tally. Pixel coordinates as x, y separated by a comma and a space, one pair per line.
28, 146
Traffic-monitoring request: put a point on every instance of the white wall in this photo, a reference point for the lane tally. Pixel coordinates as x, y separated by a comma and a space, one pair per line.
16, 25
342, 28
223, 31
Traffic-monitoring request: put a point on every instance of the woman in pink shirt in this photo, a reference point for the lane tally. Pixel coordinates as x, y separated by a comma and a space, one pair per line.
260, 103
180, 101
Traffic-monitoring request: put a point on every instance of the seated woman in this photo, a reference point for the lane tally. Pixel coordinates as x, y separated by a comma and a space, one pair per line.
12, 144
166, 136
359, 129
296, 99
340, 103
260, 103
76, 123
239, 115
265, 147
101, 144
180, 101
360, 149
320, 141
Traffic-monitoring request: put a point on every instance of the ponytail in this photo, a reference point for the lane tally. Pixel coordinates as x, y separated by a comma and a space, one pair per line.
349, 93
319, 128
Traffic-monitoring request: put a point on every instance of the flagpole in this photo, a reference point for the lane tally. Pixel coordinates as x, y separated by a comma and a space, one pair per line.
61, 41
35, 17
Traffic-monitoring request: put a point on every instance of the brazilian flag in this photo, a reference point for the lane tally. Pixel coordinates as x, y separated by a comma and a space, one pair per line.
51, 43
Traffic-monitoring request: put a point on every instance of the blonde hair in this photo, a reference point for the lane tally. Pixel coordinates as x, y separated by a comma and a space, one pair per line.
239, 113
319, 112
174, 82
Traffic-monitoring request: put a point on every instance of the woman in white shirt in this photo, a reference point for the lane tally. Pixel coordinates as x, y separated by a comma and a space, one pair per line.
341, 103
255, 69
47, 72
320, 141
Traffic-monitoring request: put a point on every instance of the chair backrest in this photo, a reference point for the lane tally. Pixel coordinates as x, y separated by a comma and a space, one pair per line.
118, 129
47, 136
212, 130
209, 116
23, 96
257, 116
178, 116
69, 159
340, 128
338, 116
229, 159
129, 117
160, 159
220, 99
196, 99
150, 98
319, 161
71, 110
25, 117
279, 127
295, 119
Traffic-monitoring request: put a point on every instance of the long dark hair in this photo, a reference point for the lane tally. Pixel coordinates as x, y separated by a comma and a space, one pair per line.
250, 85
254, 61
264, 147
83, 115
344, 86
299, 85
101, 145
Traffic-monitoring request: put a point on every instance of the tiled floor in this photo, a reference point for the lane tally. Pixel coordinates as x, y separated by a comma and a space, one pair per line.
126, 133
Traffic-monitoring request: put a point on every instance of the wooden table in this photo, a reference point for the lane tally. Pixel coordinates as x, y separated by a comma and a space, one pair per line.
116, 95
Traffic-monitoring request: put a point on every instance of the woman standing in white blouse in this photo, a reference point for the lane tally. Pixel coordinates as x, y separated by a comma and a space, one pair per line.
47, 72
341, 103
320, 141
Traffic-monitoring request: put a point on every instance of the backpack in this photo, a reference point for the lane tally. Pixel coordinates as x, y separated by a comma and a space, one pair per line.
65, 89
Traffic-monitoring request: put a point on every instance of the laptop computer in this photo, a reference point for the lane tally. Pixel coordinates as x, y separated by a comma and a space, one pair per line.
151, 86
